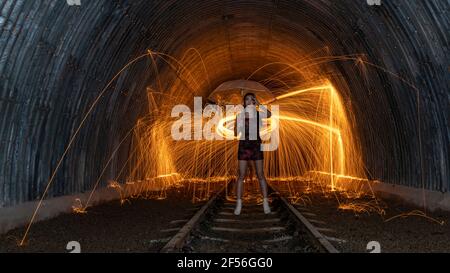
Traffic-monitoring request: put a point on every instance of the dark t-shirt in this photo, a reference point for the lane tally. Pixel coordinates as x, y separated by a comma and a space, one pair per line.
247, 130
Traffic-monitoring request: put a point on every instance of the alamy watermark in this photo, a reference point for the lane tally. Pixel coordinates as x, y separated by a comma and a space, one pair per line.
374, 247
73, 2
227, 124
73, 247
374, 2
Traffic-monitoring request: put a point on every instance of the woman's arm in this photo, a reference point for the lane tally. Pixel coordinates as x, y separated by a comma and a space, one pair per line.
235, 127
264, 108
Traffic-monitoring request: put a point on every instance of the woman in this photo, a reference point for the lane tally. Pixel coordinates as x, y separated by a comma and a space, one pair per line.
250, 150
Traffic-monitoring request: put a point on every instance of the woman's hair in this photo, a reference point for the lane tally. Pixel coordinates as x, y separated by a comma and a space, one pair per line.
248, 95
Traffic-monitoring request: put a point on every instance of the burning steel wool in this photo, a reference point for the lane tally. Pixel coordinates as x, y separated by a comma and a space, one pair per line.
318, 149
315, 133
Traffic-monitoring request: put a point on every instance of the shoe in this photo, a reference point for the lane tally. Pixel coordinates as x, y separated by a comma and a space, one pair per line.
266, 206
238, 209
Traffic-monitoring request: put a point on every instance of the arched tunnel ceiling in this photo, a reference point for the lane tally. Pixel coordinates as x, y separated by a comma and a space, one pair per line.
55, 59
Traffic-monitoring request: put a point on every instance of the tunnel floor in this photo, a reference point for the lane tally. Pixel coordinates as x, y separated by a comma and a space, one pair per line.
407, 234
109, 228
144, 226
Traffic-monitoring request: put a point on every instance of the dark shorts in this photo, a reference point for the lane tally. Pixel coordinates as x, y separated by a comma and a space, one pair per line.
250, 150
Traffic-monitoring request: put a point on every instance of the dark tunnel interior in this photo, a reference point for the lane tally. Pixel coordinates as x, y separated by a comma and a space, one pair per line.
56, 59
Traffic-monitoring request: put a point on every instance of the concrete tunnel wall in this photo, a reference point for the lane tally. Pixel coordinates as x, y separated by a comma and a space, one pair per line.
55, 59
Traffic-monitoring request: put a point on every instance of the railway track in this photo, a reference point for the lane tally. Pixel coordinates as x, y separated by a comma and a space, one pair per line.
215, 229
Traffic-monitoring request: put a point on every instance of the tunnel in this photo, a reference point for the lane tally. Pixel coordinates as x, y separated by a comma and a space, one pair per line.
75, 81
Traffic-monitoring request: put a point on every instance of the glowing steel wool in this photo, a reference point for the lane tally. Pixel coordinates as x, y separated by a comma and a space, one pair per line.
78, 207
314, 133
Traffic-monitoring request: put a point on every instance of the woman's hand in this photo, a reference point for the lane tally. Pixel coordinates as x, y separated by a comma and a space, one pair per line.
263, 108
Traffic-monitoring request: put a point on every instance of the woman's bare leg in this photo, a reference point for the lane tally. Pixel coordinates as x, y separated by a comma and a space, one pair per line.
239, 186
240, 181
261, 177
252, 169
263, 183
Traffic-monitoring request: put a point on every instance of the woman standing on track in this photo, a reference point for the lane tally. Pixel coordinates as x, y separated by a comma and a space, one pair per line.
250, 150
